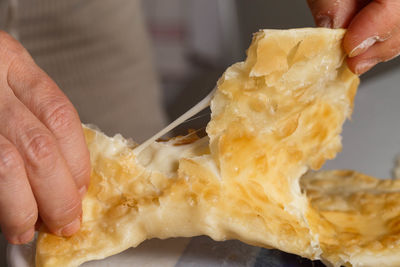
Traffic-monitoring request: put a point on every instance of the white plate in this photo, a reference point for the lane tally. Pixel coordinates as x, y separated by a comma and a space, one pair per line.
153, 252
178, 252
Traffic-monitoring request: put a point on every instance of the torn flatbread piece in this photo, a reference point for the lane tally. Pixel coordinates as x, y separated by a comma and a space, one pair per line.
274, 116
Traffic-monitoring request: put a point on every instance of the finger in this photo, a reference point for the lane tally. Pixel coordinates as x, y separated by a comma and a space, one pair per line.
38, 224
334, 14
9, 49
376, 22
379, 52
18, 210
34, 88
56, 195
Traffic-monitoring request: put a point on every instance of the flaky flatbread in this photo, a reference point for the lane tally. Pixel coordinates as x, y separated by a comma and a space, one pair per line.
274, 117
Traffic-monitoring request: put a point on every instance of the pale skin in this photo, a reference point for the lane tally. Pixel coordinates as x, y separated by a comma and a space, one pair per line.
373, 34
44, 162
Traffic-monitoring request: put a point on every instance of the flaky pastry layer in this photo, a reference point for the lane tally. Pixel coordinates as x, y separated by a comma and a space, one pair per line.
274, 116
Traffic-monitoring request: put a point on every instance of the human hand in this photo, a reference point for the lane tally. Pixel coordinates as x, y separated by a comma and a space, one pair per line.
44, 161
373, 34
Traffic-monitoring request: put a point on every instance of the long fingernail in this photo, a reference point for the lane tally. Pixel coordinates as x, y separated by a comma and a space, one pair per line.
365, 65
71, 228
363, 46
27, 236
324, 21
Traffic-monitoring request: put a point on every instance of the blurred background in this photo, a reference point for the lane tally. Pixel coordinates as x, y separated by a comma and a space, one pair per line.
195, 41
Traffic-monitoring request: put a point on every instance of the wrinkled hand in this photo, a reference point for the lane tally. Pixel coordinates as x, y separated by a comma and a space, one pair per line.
373, 34
44, 162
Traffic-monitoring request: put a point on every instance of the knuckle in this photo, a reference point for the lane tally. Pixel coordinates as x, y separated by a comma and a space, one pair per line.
83, 175
10, 159
63, 213
5, 37
9, 44
42, 81
2, 33
40, 147
61, 116
39, 81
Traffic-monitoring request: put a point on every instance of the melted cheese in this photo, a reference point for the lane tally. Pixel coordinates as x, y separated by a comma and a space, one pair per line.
164, 156
274, 116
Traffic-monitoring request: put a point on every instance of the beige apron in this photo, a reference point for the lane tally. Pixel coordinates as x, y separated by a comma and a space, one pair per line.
98, 52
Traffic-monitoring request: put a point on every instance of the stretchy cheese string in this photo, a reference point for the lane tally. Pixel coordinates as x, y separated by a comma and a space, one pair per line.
203, 104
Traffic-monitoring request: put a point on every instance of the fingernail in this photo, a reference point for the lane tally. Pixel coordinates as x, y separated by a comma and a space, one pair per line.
71, 228
27, 236
324, 21
82, 191
363, 46
364, 66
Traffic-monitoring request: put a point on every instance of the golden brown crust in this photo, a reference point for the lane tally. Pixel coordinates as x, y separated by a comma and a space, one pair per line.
273, 116
357, 216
